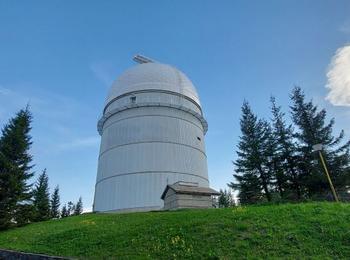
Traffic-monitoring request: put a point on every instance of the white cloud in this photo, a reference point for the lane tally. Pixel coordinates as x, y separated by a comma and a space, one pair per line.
339, 78
5, 91
92, 141
102, 71
12, 101
345, 27
59, 122
45, 105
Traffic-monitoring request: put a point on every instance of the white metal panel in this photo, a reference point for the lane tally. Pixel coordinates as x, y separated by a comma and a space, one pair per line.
154, 111
152, 157
151, 128
136, 192
153, 97
153, 76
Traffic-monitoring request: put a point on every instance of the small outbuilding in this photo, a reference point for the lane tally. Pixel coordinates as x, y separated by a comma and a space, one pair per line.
188, 195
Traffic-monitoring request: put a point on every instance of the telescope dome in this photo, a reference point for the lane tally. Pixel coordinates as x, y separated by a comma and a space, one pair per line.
152, 135
153, 76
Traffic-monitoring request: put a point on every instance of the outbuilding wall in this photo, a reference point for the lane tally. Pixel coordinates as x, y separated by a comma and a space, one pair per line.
174, 200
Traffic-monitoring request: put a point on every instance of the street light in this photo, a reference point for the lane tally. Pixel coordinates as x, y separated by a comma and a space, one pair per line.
318, 148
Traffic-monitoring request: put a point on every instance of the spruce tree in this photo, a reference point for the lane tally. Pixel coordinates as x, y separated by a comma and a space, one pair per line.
15, 170
252, 162
249, 187
55, 203
71, 208
42, 198
274, 165
64, 211
78, 207
225, 199
284, 157
314, 129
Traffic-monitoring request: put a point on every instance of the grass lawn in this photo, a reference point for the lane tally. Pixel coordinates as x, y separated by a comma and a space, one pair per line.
308, 230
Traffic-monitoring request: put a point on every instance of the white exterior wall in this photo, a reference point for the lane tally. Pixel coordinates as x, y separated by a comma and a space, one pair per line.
147, 143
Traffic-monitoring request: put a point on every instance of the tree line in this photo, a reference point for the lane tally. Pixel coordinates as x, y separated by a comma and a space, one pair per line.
276, 161
225, 199
21, 201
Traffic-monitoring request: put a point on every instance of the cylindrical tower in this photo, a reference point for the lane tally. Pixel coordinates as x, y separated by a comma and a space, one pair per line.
152, 134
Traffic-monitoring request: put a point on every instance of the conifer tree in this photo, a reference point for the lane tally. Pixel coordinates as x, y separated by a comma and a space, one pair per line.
314, 129
55, 203
78, 207
71, 208
15, 170
225, 199
42, 198
274, 165
249, 187
284, 158
252, 162
64, 211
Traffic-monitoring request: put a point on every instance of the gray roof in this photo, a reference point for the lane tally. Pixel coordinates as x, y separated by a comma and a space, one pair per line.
189, 189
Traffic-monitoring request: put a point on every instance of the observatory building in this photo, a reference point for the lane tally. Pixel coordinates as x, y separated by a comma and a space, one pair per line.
152, 135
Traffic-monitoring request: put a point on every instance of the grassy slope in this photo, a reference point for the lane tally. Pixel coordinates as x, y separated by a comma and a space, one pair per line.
317, 230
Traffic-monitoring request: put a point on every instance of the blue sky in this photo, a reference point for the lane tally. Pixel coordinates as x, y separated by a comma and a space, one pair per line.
62, 56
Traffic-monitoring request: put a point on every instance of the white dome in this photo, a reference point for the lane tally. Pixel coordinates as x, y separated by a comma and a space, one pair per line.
155, 76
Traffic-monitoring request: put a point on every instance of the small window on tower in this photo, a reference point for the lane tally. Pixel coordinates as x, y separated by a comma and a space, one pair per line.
198, 138
133, 100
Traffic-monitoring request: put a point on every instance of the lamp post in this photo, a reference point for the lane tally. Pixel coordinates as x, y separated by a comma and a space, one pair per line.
318, 148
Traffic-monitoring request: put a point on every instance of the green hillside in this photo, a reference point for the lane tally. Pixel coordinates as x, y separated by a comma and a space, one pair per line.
316, 230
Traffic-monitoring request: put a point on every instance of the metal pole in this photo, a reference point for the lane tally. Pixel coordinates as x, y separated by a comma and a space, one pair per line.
328, 177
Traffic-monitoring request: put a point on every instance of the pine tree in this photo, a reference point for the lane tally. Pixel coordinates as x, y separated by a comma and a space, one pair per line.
313, 129
252, 168
64, 211
15, 170
42, 198
78, 207
55, 203
284, 157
